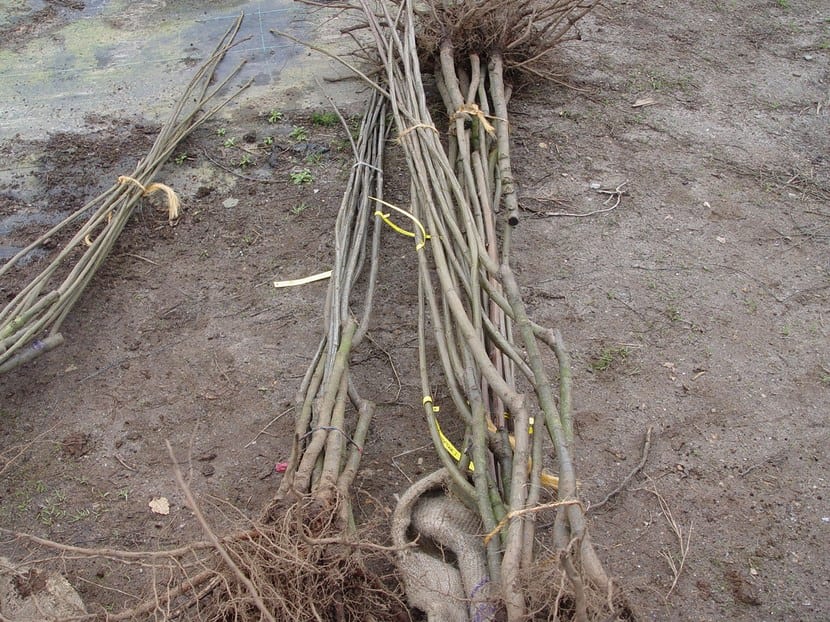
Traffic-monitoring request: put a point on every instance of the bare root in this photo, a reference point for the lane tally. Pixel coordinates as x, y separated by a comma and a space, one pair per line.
300, 567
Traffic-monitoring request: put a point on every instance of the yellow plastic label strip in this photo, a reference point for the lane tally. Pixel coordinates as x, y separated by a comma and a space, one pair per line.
309, 279
451, 449
410, 234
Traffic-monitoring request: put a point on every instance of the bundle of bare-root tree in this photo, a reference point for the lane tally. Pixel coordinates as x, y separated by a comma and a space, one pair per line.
464, 537
30, 323
483, 503
326, 452
304, 559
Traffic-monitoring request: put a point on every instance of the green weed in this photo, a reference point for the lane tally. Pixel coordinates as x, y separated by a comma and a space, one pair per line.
301, 178
354, 125
22, 500
274, 116
299, 133
79, 515
673, 313
325, 119
608, 357
661, 82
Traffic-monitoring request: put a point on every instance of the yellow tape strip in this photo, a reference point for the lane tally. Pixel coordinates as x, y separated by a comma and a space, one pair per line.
410, 234
530, 421
546, 479
451, 449
309, 279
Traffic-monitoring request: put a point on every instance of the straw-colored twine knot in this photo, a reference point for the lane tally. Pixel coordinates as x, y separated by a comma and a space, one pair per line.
474, 111
173, 202
417, 126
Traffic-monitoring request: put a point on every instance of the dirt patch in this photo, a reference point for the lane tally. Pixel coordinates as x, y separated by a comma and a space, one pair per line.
697, 306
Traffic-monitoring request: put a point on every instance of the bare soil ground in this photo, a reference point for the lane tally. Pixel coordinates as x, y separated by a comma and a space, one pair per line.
696, 307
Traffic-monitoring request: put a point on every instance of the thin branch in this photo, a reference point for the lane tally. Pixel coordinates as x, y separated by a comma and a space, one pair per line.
214, 540
105, 552
634, 471
517, 513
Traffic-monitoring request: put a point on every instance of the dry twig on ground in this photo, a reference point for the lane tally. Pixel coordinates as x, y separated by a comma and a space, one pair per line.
675, 560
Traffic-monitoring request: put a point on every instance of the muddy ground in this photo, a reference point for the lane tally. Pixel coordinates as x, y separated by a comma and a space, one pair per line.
698, 307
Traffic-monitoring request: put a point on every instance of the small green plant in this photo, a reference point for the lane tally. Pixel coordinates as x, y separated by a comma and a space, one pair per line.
298, 209
325, 119
673, 313
301, 178
340, 144
274, 116
299, 133
245, 160
608, 356
79, 515
124, 494
268, 141
51, 509
355, 122
22, 500
181, 158
658, 83
784, 4
221, 131
230, 142
49, 514
314, 158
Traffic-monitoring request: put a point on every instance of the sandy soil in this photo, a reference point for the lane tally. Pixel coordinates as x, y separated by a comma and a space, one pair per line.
697, 307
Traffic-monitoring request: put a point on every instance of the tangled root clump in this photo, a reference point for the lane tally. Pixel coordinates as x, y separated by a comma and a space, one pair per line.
303, 568
524, 32
551, 597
